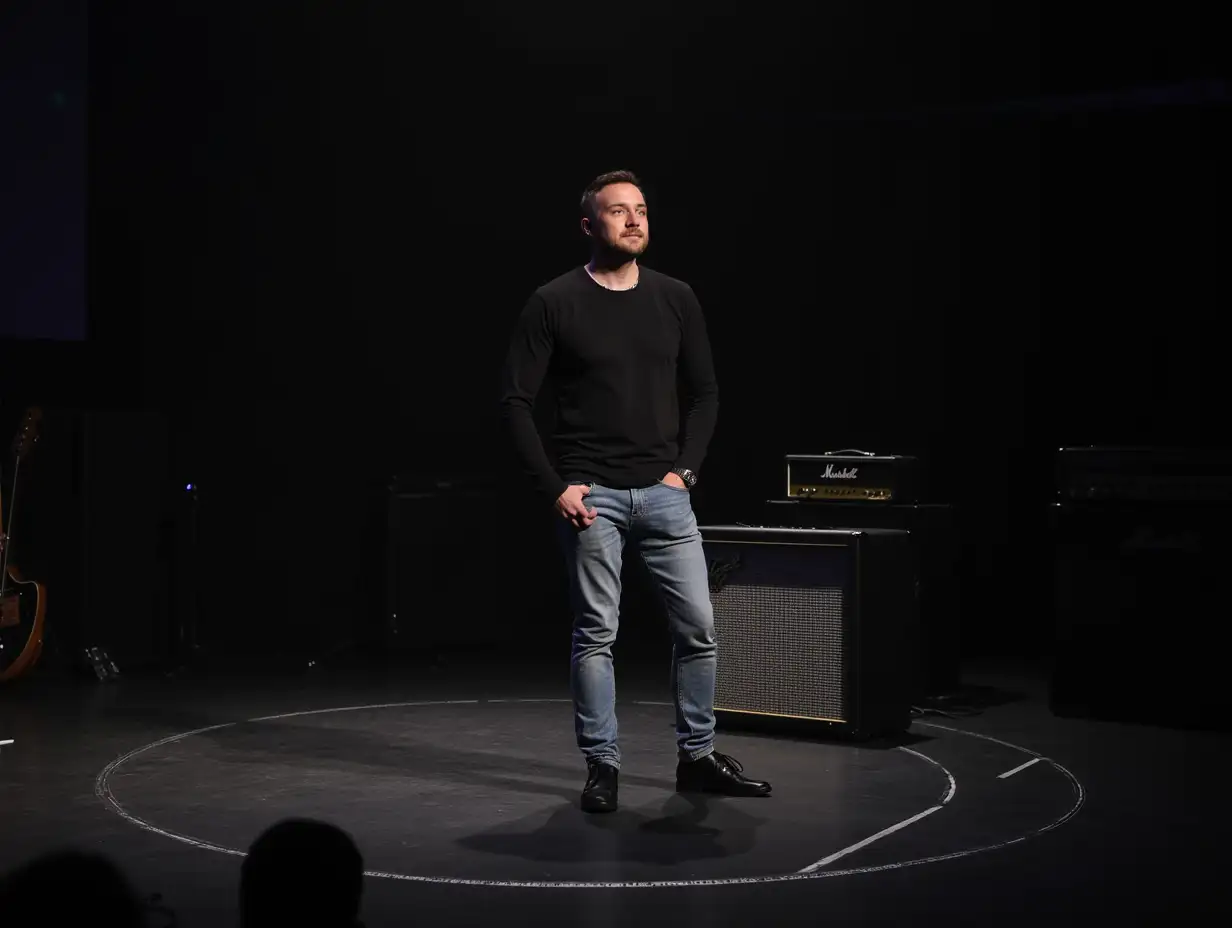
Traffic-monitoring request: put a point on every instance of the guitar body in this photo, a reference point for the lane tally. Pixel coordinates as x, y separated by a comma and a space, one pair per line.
23, 610
23, 603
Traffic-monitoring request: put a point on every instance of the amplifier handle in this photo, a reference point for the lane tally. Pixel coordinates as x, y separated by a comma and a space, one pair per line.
851, 451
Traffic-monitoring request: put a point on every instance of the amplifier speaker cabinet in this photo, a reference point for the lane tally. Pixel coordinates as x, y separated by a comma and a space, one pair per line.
1141, 558
812, 628
433, 599
1141, 602
936, 645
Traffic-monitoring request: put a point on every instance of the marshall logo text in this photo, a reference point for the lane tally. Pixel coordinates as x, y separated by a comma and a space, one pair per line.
831, 474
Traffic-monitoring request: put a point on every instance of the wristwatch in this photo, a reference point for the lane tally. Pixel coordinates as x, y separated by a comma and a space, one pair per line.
686, 475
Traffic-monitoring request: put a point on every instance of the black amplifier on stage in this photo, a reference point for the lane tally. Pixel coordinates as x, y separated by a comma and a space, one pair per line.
854, 476
1141, 553
936, 647
448, 586
812, 628
1146, 475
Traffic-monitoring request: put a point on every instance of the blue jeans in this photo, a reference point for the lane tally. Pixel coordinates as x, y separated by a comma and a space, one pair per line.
659, 521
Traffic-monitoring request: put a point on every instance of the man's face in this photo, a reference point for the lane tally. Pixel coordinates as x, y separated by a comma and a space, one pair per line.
620, 222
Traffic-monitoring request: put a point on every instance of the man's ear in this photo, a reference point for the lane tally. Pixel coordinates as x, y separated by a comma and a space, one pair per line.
586, 225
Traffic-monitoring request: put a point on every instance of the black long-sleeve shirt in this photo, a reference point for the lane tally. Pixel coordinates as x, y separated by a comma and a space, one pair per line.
615, 359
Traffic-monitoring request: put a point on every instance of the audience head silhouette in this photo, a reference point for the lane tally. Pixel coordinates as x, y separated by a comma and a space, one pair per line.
69, 887
304, 873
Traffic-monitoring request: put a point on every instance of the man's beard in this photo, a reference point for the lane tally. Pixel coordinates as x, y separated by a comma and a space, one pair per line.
624, 249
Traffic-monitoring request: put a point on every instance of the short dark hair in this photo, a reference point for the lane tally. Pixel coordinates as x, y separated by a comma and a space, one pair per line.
605, 180
301, 872
100, 892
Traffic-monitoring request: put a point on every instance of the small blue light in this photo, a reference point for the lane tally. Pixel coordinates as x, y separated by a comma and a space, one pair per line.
190, 487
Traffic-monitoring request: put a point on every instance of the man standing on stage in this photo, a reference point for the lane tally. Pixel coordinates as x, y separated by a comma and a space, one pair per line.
613, 335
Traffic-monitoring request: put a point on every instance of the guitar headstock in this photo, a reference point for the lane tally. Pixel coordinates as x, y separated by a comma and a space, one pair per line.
27, 432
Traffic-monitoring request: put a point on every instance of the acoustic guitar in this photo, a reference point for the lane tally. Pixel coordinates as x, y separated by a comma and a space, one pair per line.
23, 603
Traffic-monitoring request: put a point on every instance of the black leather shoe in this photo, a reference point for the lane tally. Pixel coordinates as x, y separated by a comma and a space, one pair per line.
599, 794
717, 773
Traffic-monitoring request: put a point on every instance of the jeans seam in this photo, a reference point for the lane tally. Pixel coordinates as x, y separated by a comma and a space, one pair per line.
675, 659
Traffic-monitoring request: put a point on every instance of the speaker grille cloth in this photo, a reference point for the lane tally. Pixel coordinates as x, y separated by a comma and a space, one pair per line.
780, 650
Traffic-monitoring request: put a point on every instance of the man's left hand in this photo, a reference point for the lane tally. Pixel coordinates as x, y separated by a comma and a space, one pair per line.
675, 480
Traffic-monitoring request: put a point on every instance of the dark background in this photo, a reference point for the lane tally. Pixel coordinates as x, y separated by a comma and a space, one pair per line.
312, 228
43, 110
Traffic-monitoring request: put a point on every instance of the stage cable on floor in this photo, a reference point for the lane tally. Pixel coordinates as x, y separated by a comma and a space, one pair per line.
953, 712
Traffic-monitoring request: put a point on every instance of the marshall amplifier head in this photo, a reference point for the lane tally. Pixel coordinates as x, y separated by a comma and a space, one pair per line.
1143, 475
851, 475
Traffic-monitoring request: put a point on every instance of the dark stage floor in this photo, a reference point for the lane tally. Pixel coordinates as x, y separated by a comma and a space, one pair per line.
461, 786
